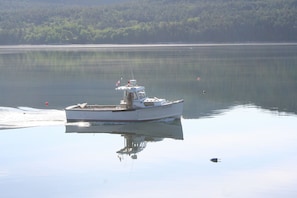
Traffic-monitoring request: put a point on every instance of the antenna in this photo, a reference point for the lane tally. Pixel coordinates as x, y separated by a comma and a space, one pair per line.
132, 74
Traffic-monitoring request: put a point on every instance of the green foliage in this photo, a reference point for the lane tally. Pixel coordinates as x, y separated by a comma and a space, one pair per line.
147, 21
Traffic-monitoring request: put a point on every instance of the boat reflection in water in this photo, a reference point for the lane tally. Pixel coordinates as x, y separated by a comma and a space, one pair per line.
136, 135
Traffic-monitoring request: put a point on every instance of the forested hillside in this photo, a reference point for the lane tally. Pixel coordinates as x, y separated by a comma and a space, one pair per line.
146, 21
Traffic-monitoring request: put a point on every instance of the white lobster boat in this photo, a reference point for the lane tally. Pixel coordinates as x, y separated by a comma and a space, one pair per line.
135, 106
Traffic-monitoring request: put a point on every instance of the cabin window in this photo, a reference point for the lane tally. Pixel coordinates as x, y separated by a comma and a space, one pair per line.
135, 96
125, 96
141, 94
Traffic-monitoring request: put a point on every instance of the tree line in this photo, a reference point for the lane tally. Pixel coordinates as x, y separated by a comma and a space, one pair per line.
148, 21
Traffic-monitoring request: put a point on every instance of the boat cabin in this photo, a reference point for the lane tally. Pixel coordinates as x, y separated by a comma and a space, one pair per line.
134, 97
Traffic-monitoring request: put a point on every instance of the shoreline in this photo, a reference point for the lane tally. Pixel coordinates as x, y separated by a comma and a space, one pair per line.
98, 46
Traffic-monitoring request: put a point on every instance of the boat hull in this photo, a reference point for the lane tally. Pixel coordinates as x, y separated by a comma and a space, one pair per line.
170, 110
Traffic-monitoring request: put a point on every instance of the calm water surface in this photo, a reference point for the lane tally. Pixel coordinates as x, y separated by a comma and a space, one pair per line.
240, 108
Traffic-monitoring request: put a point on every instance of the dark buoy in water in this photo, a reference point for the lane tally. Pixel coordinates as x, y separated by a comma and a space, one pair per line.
215, 160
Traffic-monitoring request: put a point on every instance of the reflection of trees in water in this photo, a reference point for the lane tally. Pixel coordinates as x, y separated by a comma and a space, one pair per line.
264, 75
224, 76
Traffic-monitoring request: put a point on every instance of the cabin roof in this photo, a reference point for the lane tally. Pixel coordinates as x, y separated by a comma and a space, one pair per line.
130, 88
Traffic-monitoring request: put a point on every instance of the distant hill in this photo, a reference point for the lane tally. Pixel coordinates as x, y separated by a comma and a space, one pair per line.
147, 21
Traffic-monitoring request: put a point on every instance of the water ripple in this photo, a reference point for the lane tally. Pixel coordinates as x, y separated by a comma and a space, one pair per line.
21, 117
